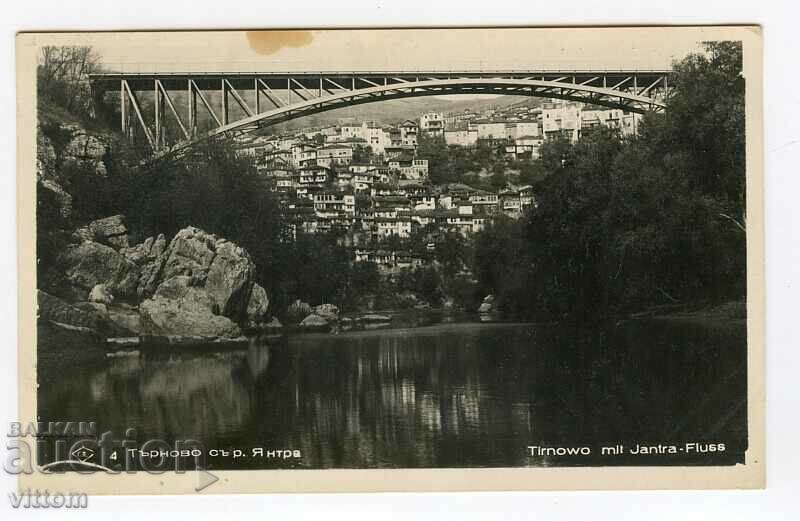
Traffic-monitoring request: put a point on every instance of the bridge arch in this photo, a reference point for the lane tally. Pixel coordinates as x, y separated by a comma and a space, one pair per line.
639, 92
515, 87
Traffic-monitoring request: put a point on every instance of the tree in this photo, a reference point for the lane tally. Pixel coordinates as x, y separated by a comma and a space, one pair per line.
621, 224
434, 149
498, 180
63, 77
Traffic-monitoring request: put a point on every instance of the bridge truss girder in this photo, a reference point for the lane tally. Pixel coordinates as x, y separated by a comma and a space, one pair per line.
260, 100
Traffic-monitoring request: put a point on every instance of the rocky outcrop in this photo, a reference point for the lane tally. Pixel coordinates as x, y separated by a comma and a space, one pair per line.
125, 317
223, 269
230, 279
45, 156
202, 286
147, 251
53, 309
327, 311
86, 149
110, 231
90, 263
198, 286
273, 325
257, 307
488, 305
374, 318
298, 310
315, 322
63, 198
181, 307
101, 294
190, 252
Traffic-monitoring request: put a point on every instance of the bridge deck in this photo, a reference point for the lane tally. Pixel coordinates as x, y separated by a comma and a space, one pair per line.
514, 73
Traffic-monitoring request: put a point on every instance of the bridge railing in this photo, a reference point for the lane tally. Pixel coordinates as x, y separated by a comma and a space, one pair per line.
293, 67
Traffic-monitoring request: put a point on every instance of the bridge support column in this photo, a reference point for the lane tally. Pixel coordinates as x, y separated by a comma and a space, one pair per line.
123, 109
192, 100
224, 91
158, 110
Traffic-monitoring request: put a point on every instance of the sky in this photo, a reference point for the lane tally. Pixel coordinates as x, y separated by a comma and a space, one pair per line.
400, 49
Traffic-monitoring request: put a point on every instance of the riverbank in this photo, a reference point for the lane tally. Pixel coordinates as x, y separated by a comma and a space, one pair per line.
425, 330
732, 313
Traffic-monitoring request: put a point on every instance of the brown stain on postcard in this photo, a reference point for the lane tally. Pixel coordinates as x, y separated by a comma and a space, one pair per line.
270, 42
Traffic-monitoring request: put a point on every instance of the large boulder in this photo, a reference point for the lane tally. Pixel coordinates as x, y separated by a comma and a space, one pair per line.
488, 304
223, 269
126, 318
181, 307
190, 252
315, 323
83, 145
147, 251
257, 306
230, 279
85, 149
53, 309
101, 294
327, 311
149, 279
90, 263
110, 231
298, 310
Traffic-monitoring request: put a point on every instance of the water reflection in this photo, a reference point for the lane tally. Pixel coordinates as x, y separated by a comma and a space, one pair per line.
463, 394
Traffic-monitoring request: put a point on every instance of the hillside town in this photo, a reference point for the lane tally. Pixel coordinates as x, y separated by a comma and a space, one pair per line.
369, 182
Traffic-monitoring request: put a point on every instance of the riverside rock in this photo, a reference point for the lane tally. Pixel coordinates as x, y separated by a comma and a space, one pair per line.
327, 311
223, 269
298, 310
190, 252
53, 309
146, 251
487, 306
375, 318
180, 307
90, 263
257, 306
230, 279
315, 323
101, 294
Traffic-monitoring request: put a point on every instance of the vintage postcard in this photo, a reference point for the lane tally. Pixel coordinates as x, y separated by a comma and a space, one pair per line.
390, 260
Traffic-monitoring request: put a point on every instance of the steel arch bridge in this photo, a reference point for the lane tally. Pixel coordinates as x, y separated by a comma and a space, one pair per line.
164, 106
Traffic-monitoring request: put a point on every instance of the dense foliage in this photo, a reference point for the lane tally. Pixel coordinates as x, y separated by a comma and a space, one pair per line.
622, 224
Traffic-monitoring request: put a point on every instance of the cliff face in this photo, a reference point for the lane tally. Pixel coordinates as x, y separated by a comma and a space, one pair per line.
63, 146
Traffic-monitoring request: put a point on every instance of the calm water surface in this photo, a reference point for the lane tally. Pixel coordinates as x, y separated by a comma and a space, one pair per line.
433, 395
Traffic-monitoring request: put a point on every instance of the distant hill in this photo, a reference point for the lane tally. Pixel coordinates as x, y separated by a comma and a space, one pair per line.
395, 111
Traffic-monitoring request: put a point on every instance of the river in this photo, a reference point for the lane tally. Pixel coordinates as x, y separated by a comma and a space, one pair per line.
436, 393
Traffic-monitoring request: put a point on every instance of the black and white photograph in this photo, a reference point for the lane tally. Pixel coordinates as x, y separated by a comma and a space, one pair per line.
475, 248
